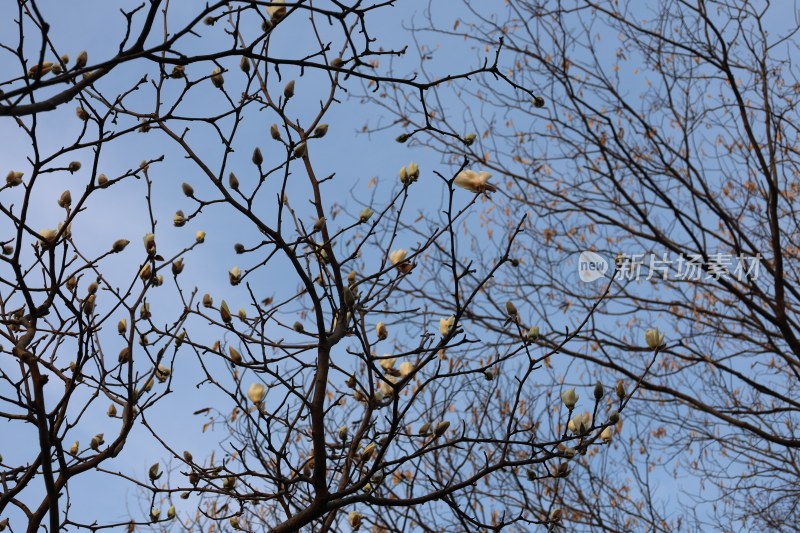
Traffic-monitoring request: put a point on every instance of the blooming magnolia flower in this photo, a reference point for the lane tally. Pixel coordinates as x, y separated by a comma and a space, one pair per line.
569, 398
654, 338
474, 181
256, 392
446, 324
398, 256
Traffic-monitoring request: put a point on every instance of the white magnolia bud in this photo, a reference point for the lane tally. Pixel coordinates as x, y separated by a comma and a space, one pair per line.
365, 214
606, 434
343, 433
354, 518
217, 79
73, 450
569, 398
155, 512
654, 338
256, 393
235, 275
406, 367
200, 237
381, 330
446, 324
398, 256
14, 178
533, 333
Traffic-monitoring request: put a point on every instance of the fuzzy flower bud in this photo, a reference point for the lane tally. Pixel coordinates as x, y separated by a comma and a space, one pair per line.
256, 393
569, 398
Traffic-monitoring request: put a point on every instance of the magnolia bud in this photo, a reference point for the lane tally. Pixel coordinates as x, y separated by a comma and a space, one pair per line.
65, 200
148, 386
403, 137
233, 181
349, 297
150, 243
368, 451
96, 442
162, 373
257, 158
555, 515
217, 79
569, 398
537, 101
598, 391
424, 429
300, 150
621, 390
441, 428
288, 90
256, 393
81, 60
188, 456
398, 256
446, 325
200, 237
112, 411
187, 189
224, 312
177, 266
171, 512
381, 330
119, 245
365, 214
144, 311
403, 175
124, 355
244, 65
235, 275
88, 304
74, 166
413, 171
613, 417
8, 249
318, 224
533, 333
178, 71
14, 178
343, 433
146, 272
321, 130
81, 113
274, 132
179, 339
179, 219
236, 357
337, 62
155, 512
469, 138
406, 367
355, 519
229, 483
488, 374
102, 180
234, 521
153, 472
511, 309
654, 338
351, 381
73, 450
207, 300
298, 327
606, 434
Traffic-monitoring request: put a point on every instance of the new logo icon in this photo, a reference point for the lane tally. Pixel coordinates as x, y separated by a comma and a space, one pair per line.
591, 266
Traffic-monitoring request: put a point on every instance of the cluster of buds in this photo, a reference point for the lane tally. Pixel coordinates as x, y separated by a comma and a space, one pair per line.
409, 174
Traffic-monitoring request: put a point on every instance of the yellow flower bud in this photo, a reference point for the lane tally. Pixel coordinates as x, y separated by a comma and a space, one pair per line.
256, 393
